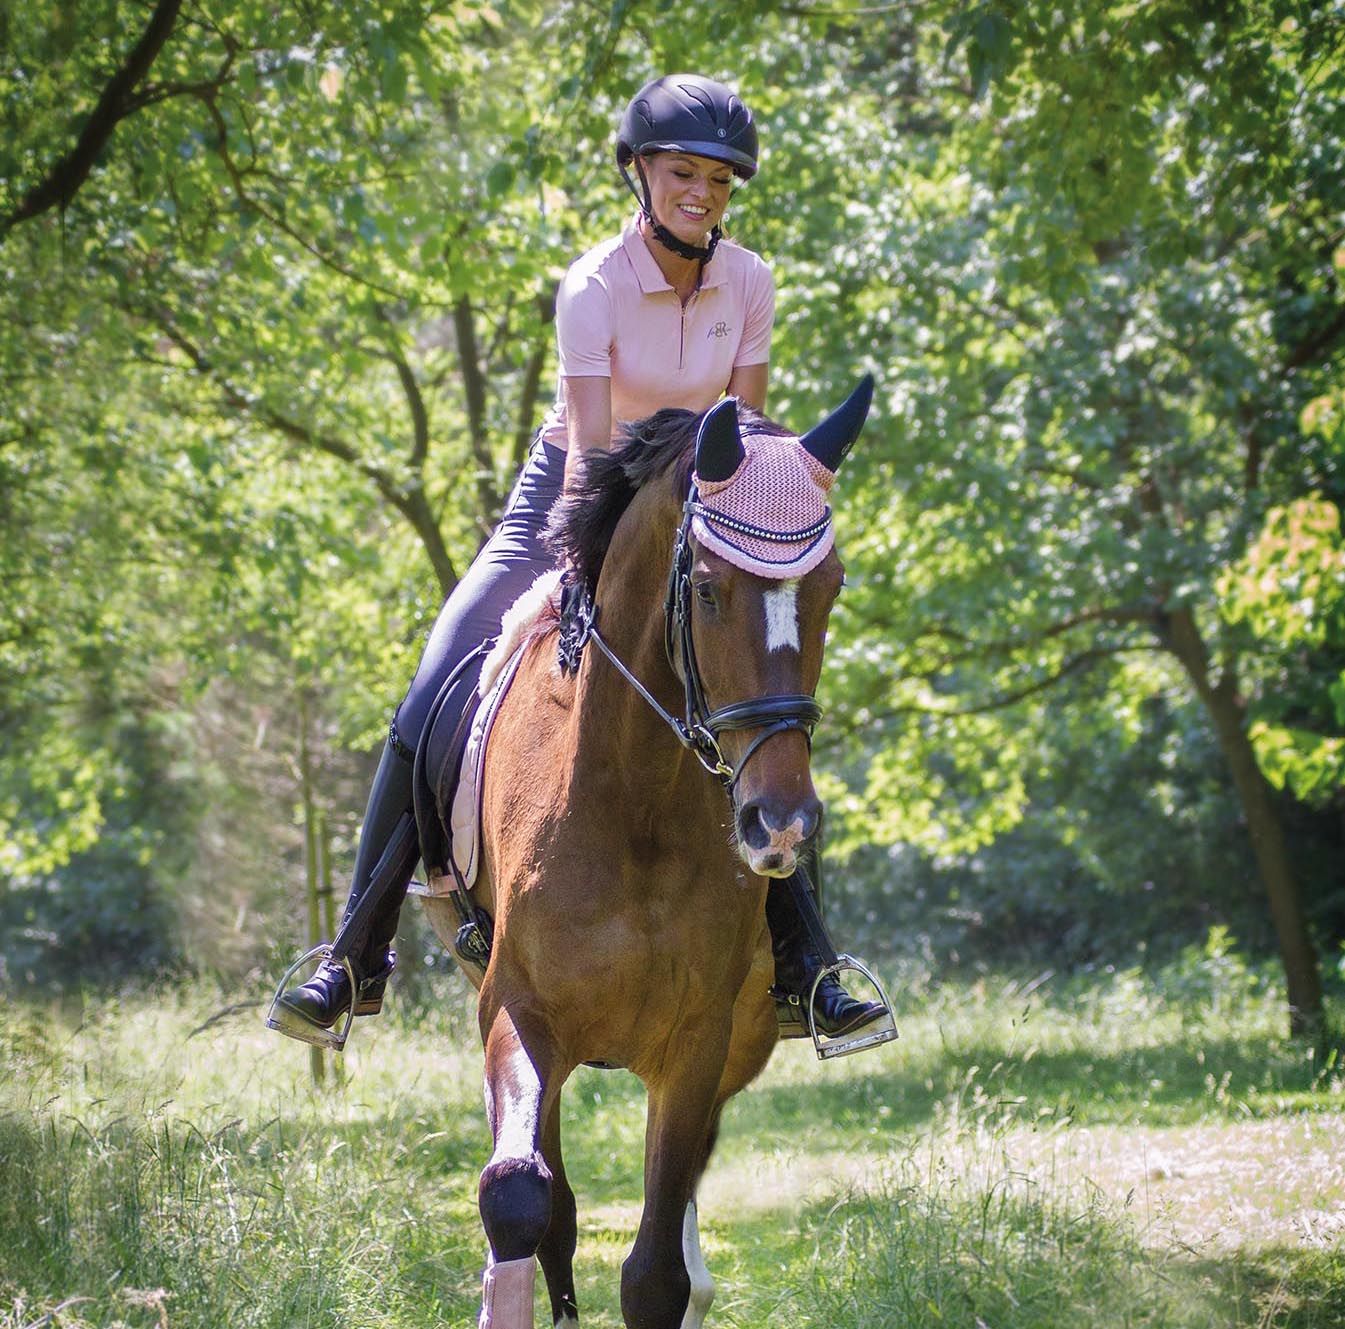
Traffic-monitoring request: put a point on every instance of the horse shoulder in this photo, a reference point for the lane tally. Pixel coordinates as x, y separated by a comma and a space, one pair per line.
524, 792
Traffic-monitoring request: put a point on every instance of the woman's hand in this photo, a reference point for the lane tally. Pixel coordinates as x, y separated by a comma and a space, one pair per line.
588, 419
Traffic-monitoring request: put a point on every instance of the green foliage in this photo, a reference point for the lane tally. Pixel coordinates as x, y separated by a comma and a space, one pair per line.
266, 377
1084, 879
1289, 588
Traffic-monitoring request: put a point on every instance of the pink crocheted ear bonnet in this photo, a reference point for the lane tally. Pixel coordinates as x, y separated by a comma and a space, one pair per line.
760, 501
771, 515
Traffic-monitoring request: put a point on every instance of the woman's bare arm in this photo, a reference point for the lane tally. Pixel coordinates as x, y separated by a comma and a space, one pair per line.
588, 419
748, 384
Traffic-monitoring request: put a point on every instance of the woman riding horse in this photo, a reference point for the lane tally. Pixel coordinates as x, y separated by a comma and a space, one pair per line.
667, 314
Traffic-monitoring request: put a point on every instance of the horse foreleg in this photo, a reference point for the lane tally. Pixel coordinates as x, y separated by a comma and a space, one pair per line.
753, 1038
515, 1188
656, 1279
556, 1252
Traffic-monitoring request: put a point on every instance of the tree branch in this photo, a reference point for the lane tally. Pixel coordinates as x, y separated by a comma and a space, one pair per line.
1114, 615
117, 102
407, 498
1075, 664
532, 377
1320, 342
276, 220
415, 401
474, 390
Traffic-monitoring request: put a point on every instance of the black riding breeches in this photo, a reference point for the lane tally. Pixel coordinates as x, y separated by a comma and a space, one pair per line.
506, 566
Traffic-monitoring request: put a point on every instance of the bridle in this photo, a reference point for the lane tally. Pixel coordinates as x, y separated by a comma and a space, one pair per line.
701, 727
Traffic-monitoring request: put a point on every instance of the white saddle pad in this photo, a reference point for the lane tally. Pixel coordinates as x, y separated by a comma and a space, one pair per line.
465, 822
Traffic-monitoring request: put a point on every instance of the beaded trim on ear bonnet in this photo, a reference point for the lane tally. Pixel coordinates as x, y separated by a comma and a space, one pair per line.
760, 501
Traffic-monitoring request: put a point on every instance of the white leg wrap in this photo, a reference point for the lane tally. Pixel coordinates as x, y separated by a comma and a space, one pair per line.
506, 1294
702, 1285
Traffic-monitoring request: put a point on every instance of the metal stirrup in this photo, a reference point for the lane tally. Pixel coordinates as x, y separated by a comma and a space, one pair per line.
333, 1039
881, 1029
352, 935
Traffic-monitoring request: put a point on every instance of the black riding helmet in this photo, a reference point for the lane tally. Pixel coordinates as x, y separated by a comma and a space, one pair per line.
691, 114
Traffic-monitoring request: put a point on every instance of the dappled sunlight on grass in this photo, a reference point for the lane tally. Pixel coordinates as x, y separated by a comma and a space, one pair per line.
1031, 1158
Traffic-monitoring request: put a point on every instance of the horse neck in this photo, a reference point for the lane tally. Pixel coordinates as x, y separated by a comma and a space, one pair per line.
630, 600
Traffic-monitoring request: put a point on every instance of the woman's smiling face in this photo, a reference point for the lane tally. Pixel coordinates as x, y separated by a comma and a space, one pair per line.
689, 194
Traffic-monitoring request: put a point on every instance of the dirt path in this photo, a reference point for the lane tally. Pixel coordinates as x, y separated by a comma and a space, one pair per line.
1214, 1187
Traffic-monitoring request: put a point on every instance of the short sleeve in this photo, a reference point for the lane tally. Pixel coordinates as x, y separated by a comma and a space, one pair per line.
758, 318
583, 326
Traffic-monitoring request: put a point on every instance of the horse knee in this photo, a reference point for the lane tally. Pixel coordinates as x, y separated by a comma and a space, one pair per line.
515, 1200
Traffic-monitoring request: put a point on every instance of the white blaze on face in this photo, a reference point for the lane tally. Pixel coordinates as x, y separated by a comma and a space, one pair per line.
782, 616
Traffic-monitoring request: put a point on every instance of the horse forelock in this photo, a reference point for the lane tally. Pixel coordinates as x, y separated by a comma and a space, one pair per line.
661, 447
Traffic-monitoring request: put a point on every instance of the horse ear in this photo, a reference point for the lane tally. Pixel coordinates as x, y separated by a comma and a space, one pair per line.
719, 445
833, 438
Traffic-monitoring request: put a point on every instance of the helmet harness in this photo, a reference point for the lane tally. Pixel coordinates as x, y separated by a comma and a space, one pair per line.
661, 233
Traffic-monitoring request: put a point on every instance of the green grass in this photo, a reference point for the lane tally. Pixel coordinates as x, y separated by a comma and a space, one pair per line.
1007, 1164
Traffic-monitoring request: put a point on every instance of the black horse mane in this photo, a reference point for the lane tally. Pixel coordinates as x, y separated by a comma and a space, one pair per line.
582, 524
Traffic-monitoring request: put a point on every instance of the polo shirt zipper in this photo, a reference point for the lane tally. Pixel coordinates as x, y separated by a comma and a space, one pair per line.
682, 338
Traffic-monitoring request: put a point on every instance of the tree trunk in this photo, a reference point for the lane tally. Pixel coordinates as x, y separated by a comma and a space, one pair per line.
316, 1065
328, 897
1297, 953
415, 507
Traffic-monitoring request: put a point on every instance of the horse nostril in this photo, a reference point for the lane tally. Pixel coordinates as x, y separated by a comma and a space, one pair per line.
751, 829
759, 825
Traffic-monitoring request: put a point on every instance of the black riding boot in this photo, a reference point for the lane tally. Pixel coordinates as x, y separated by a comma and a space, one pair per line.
384, 861
797, 962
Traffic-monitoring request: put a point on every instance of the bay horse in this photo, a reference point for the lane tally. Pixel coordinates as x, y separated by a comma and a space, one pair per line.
627, 891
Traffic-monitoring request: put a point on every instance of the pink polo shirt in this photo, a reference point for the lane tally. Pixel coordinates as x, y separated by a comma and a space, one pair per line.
617, 317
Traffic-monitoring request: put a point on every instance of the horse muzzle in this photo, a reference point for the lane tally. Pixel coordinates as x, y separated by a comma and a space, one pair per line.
770, 839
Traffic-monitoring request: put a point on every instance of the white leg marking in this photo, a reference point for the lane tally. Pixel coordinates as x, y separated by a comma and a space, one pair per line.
506, 1294
782, 616
565, 1321
702, 1285
515, 1118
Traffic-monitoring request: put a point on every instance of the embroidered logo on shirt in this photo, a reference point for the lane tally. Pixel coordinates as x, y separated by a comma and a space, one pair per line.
720, 329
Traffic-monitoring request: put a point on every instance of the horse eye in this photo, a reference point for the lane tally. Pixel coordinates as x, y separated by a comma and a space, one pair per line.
705, 593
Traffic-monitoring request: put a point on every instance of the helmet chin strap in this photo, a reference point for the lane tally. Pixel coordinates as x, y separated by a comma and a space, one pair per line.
661, 233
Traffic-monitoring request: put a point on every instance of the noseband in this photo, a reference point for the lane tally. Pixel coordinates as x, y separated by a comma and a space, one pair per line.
701, 727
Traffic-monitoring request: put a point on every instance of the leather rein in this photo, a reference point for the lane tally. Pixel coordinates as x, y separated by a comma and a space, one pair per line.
700, 728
